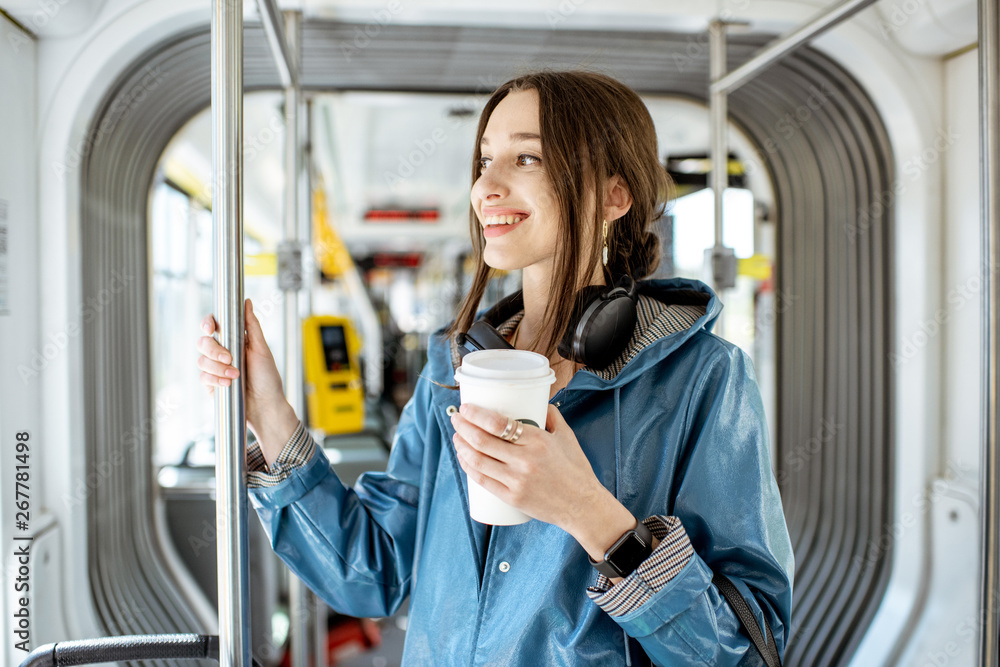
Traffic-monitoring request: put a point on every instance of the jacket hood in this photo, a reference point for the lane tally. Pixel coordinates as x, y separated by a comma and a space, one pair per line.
670, 310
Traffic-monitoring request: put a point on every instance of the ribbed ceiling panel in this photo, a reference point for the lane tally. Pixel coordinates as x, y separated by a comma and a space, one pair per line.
829, 159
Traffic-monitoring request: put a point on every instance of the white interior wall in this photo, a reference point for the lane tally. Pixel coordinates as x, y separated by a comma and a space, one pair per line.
948, 631
20, 340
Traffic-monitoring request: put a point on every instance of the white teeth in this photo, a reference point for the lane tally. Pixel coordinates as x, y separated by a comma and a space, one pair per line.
503, 219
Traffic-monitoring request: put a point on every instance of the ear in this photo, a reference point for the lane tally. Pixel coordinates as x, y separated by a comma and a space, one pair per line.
617, 198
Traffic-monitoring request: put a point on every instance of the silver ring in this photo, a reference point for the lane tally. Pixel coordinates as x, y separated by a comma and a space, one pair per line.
507, 430
517, 433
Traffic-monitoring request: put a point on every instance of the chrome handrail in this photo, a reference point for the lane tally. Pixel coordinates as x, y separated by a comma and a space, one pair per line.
232, 525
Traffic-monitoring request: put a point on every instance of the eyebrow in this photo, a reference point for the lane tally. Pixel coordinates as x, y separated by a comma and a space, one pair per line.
515, 136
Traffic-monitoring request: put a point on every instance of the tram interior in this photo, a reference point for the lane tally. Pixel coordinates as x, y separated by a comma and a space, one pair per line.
378, 157
851, 208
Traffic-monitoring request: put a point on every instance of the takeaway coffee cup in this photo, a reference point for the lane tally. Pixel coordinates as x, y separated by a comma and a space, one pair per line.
515, 383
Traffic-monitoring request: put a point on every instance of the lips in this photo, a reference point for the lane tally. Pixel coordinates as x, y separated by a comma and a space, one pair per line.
489, 211
498, 225
503, 219
498, 220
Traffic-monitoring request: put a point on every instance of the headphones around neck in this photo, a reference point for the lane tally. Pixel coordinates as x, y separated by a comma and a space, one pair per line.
600, 328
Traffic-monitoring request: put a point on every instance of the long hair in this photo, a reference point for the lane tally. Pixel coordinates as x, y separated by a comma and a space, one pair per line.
592, 127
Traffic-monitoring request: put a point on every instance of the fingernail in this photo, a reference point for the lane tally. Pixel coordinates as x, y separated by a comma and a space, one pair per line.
232, 372
224, 358
463, 409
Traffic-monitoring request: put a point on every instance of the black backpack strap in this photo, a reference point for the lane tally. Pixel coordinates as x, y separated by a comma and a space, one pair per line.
768, 650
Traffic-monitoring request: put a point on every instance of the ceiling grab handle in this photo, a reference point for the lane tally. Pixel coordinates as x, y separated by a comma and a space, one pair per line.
230, 429
989, 185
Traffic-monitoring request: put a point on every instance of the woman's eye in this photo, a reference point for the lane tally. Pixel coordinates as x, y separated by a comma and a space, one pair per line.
483, 163
525, 159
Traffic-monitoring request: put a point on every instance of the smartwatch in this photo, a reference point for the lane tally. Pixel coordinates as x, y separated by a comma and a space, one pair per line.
625, 555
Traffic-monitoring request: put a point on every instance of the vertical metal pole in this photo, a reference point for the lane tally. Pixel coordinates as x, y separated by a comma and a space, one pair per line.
291, 285
319, 630
230, 429
300, 617
989, 165
306, 207
723, 259
719, 110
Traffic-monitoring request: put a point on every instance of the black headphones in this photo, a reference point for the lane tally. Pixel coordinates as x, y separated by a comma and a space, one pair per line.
600, 328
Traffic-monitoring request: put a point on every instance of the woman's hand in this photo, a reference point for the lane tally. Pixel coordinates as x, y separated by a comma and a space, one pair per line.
545, 474
269, 415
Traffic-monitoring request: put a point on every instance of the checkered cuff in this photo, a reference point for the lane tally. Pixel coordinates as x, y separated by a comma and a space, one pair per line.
296, 452
667, 560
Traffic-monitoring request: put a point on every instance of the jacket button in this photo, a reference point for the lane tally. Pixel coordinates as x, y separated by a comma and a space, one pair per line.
504, 566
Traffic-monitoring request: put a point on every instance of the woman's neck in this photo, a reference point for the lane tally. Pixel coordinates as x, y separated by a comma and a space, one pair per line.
535, 286
535, 282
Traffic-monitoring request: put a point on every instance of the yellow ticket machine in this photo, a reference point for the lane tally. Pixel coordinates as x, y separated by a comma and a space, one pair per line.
334, 390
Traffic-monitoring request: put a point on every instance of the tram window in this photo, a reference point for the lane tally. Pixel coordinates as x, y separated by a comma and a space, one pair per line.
693, 218
180, 253
694, 227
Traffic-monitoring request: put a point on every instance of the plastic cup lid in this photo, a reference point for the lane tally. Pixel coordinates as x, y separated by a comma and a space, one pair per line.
505, 365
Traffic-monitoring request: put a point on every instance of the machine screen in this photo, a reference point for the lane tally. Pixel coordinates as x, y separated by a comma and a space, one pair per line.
334, 348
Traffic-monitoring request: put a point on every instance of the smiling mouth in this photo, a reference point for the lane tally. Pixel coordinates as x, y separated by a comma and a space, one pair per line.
500, 220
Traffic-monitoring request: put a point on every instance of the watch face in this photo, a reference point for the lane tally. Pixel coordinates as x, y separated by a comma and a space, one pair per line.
629, 554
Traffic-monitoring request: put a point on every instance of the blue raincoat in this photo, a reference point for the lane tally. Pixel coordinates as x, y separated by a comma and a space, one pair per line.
679, 431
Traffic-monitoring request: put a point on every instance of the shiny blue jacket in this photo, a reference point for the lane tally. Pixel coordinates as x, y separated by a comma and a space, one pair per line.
679, 431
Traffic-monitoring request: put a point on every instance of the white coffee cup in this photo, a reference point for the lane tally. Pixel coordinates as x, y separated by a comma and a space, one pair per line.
515, 383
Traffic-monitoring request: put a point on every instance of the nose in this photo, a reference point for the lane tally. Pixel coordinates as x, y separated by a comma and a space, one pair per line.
491, 185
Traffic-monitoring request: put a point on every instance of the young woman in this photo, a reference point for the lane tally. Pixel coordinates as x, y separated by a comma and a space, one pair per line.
665, 446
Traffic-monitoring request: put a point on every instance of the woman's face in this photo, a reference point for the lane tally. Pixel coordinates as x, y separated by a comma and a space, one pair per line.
512, 196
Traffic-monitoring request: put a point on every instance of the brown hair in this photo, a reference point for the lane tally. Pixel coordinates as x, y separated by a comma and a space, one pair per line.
592, 127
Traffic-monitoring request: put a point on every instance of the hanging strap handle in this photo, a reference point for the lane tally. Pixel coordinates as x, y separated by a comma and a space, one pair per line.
768, 650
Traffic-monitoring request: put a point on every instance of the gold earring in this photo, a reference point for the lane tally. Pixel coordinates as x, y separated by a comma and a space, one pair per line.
605, 243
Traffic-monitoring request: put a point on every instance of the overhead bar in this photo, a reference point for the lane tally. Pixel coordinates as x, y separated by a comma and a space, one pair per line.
989, 185
787, 43
230, 427
274, 28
